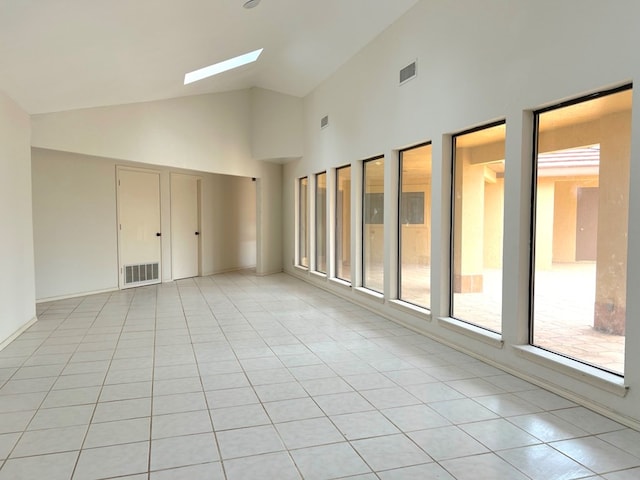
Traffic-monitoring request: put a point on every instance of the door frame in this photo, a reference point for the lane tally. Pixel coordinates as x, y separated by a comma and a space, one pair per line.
119, 168
198, 215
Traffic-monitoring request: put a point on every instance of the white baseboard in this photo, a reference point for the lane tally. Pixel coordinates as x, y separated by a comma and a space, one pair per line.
228, 270
75, 295
17, 333
272, 272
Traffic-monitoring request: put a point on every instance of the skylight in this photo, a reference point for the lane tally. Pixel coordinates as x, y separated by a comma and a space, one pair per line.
220, 67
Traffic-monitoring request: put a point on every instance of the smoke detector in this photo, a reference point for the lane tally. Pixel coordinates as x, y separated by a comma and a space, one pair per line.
251, 3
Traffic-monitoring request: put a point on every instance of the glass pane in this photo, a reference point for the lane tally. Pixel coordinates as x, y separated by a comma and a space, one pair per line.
582, 200
321, 222
478, 206
415, 226
303, 224
373, 220
343, 223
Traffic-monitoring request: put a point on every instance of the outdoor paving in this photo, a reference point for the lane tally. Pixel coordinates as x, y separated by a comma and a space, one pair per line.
564, 311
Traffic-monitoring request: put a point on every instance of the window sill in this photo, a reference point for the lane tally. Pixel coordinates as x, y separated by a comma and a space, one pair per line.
412, 309
379, 297
340, 283
319, 275
598, 378
300, 268
472, 331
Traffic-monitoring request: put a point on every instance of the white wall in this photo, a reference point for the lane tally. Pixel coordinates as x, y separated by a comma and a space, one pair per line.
17, 290
228, 223
74, 221
225, 133
478, 61
276, 125
269, 258
208, 133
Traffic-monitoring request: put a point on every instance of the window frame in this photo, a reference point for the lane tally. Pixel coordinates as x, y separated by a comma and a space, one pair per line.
399, 222
452, 192
337, 218
363, 221
533, 214
315, 223
302, 209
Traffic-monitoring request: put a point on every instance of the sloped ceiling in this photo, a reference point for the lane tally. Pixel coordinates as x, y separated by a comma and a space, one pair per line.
58, 55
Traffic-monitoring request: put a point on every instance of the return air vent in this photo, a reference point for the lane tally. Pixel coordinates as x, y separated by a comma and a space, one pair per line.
140, 274
324, 121
408, 72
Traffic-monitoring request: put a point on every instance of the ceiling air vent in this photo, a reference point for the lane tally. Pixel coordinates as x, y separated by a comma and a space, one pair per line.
324, 121
408, 72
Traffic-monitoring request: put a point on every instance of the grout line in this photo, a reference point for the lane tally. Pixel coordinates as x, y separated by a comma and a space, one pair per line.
201, 294
24, 431
95, 406
195, 357
153, 375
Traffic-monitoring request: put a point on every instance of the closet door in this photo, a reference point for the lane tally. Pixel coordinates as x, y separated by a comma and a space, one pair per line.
139, 230
185, 226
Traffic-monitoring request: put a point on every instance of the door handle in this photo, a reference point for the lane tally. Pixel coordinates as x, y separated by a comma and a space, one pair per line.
158, 234
197, 233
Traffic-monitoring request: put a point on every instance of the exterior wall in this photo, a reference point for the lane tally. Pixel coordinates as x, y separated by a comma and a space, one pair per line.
477, 62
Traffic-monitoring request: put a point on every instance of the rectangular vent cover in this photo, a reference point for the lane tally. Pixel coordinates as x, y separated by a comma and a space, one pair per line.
408, 72
143, 273
324, 121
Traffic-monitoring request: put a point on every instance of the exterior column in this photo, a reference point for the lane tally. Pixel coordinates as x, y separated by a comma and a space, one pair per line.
468, 225
613, 206
545, 194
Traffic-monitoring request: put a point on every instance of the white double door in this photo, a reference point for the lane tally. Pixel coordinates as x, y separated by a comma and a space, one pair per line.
140, 230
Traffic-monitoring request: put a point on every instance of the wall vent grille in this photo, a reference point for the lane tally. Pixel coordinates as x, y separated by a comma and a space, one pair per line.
324, 121
408, 72
142, 273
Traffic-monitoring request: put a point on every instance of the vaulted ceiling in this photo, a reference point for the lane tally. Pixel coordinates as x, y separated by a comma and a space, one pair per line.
60, 55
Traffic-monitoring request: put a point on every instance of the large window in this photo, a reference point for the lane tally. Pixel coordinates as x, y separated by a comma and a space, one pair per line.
321, 222
415, 226
303, 222
373, 225
581, 184
477, 223
343, 223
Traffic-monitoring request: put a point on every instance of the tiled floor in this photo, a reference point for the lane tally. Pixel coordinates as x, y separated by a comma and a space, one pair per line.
239, 377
